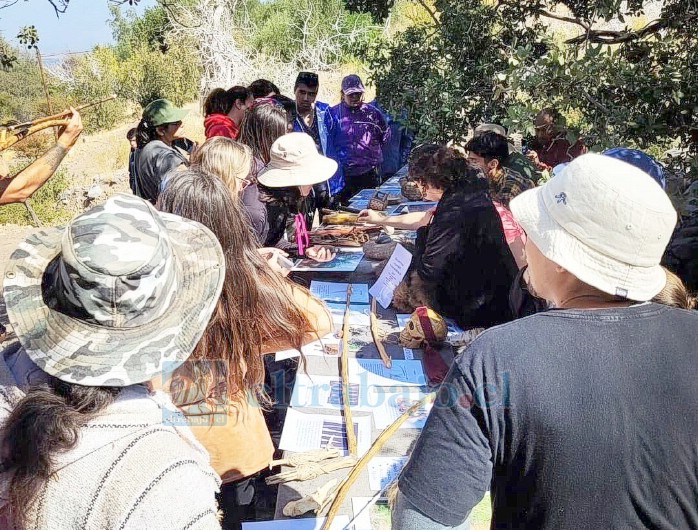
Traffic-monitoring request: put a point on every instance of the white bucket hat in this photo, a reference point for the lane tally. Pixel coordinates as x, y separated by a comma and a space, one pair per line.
294, 161
603, 220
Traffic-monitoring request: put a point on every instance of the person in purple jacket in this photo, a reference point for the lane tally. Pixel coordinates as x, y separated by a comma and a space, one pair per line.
359, 139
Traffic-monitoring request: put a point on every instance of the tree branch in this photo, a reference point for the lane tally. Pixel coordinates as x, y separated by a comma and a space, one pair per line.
596, 103
432, 14
57, 9
547, 14
618, 37
8, 3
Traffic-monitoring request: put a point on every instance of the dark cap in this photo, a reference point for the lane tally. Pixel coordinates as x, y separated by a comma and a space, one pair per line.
352, 84
309, 79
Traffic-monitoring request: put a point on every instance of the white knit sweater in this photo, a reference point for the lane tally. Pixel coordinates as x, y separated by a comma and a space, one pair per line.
136, 466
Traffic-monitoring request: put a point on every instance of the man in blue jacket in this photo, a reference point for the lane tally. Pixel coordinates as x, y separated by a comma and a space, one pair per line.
313, 118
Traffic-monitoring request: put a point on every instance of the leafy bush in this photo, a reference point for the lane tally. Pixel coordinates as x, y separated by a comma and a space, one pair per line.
35, 145
148, 75
93, 77
476, 60
22, 97
45, 202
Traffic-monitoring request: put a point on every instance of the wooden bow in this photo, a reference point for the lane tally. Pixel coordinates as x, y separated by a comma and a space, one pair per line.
11, 134
344, 360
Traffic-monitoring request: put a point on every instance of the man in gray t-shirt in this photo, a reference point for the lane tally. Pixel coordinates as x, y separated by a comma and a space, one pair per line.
583, 416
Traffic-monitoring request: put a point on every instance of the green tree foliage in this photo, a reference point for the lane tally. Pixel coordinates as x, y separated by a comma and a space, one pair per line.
22, 97
149, 65
93, 77
619, 80
141, 67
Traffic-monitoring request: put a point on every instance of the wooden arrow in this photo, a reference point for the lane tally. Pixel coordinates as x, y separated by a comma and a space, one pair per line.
344, 360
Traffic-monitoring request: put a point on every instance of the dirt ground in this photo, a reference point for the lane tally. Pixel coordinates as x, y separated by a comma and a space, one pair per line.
101, 159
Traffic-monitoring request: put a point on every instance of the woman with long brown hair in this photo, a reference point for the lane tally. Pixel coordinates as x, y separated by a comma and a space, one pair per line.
101, 309
263, 124
232, 161
221, 389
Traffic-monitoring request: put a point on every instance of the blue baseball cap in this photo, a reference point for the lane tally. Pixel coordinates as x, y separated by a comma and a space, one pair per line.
640, 160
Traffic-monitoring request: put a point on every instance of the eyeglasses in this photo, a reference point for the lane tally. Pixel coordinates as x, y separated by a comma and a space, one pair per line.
244, 183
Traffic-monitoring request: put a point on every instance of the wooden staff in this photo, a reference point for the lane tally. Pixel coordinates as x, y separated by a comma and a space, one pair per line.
348, 418
387, 361
343, 489
60, 117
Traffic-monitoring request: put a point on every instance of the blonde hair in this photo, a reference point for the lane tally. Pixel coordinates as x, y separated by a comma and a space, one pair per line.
225, 158
675, 293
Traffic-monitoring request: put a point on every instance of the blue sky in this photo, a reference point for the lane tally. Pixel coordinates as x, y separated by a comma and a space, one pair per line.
79, 29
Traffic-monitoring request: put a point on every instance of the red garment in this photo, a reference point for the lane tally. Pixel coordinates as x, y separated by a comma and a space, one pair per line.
221, 125
560, 151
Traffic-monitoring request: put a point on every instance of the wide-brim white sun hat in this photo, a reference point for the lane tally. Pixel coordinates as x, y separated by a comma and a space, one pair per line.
295, 161
603, 220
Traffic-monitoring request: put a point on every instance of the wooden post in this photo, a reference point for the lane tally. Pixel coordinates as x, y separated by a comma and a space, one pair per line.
43, 83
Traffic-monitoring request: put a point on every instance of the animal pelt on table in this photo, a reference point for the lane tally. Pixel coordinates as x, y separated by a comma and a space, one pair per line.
412, 293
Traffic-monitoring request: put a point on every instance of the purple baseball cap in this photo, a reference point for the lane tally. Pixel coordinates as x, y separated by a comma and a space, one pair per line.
352, 84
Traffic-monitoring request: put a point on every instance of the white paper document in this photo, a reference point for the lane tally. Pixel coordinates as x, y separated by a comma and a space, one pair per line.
392, 275
327, 346
383, 470
305, 432
311, 523
373, 372
337, 292
325, 392
396, 404
359, 314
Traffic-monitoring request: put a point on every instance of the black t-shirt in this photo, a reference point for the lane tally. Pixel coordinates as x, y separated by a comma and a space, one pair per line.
313, 130
574, 419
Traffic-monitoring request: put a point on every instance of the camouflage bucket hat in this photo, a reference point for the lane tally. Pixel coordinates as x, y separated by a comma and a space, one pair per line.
117, 296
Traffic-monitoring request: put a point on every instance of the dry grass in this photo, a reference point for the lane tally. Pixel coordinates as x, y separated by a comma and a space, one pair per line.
100, 158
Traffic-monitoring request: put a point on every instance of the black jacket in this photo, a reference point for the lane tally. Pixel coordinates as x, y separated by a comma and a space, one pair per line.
282, 205
463, 258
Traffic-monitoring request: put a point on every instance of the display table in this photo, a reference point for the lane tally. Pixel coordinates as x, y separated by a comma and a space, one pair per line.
361, 347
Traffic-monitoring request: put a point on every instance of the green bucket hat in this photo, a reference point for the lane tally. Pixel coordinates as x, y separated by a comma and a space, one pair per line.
121, 294
162, 111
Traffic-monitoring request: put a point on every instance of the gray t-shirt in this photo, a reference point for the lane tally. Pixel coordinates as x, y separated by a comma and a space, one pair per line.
573, 419
154, 161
